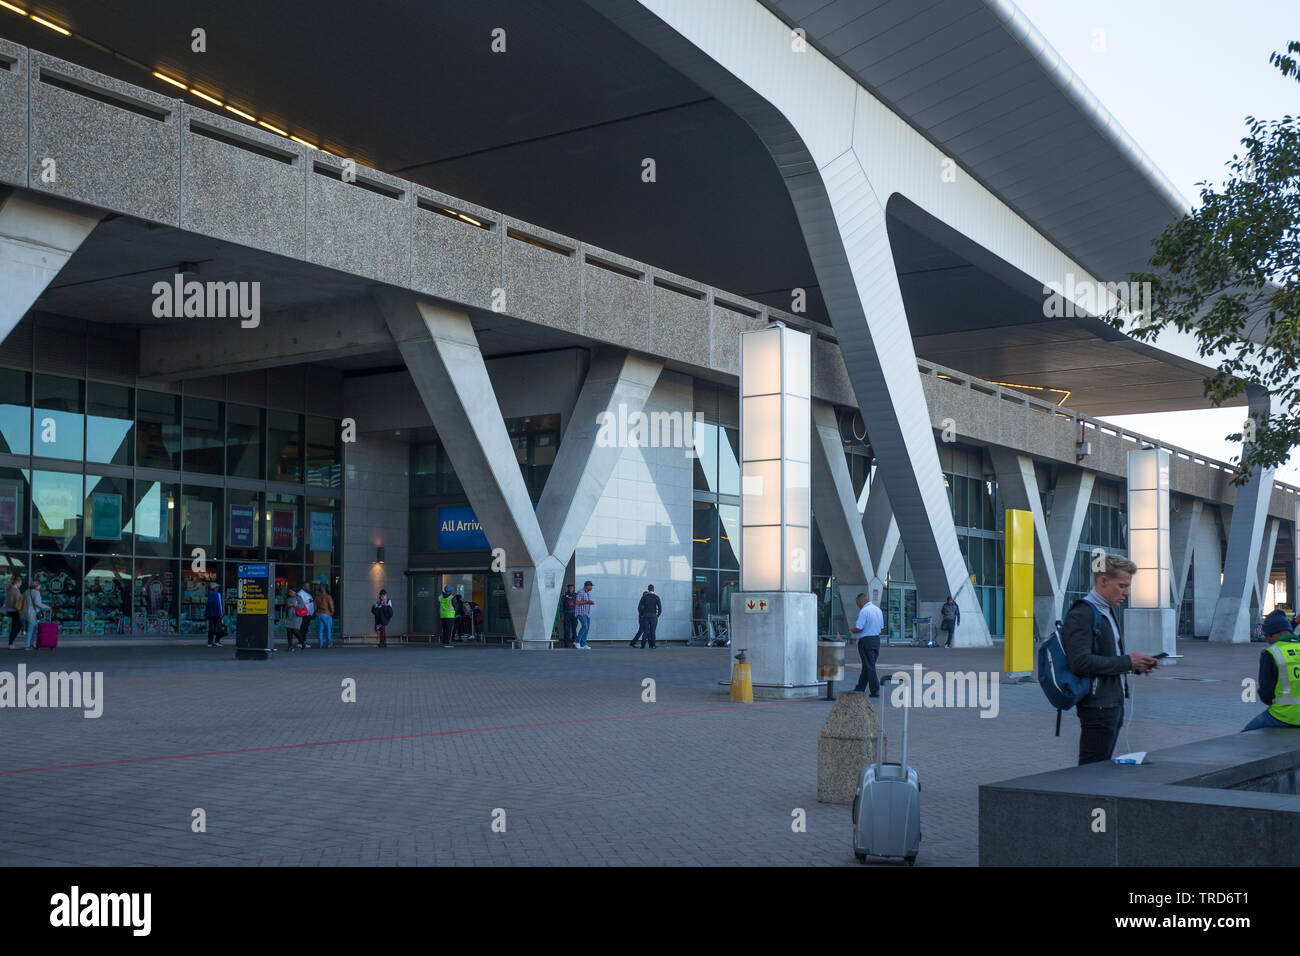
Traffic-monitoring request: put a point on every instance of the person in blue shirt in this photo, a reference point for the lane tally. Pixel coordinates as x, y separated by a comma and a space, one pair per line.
214, 612
870, 622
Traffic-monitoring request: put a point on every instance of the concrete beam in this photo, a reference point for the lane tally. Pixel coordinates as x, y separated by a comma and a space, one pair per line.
881, 532
37, 238
1184, 524
583, 465
1265, 569
1019, 486
196, 348
836, 511
1070, 499
1245, 541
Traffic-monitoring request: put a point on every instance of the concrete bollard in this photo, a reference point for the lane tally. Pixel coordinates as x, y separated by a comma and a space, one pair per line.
846, 744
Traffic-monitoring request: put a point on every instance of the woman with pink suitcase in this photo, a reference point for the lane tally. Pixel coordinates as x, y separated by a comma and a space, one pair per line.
32, 608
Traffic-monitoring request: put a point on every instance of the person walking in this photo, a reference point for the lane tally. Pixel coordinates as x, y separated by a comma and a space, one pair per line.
382, 610
648, 610
1279, 676
949, 618
292, 619
870, 622
568, 615
1094, 647
308, 602
582, 609
14, 607
324, 617
447, 615
214, 612
32, 608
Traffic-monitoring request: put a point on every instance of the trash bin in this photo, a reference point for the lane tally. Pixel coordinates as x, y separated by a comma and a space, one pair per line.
830, 660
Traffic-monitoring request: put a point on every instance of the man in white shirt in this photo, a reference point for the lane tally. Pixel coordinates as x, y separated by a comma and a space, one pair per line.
870, 622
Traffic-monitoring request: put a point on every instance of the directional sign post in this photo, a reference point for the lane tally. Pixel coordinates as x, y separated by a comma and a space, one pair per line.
254, 609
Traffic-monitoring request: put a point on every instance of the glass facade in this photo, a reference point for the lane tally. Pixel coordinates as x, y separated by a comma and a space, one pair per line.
125, 504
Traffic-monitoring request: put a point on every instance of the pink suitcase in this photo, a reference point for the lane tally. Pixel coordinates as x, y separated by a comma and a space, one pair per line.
47, 634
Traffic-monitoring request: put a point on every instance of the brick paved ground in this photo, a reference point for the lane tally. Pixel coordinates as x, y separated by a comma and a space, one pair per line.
586, 772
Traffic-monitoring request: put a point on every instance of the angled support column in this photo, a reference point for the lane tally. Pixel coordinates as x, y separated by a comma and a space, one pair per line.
1184, 525
37, 238
1019, 487
443, 357
881, 531
442, 354
1245, 541
1265, 570
1070, 499
836, 511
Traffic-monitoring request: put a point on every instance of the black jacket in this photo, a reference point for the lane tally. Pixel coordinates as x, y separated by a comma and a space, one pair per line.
383, 613
1095, 655
650, 604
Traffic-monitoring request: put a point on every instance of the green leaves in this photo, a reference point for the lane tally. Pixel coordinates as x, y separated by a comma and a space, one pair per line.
1228, 273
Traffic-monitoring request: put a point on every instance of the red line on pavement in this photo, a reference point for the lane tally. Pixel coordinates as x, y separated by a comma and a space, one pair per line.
363, 740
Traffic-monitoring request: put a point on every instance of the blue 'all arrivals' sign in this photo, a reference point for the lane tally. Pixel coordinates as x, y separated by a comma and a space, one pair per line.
459, 530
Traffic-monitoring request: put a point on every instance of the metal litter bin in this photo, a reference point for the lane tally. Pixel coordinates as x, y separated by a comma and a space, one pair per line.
830, 664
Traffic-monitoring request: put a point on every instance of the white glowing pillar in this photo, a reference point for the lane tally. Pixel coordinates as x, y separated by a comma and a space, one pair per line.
775, 454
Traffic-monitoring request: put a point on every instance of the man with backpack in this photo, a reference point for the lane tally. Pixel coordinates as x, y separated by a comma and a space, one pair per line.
1094, 647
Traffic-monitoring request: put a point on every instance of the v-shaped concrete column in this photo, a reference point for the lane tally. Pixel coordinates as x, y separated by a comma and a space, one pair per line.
1184, 525
1231, 623
37, 238
1070, 500
881, 531
836, 511
1266, 561
442, 354
1019, 487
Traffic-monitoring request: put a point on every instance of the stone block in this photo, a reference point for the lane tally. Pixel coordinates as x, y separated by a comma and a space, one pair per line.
542, 279
115, 146
13, 113
242, 184
679, 317
846, 744
361, 227
615, 299
453, 258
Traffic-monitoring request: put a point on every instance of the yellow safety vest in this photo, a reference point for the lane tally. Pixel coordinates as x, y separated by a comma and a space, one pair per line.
444, 606
1286, 695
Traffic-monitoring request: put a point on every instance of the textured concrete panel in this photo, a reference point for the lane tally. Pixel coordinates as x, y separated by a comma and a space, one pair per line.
846, 744
725, 326
354, 229
679, 323
830, 379
231, 192
452, 258
542, 285
106, 155
615, 306
13, 113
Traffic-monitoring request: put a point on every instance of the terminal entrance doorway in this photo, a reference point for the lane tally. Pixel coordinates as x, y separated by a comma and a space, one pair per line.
485, 612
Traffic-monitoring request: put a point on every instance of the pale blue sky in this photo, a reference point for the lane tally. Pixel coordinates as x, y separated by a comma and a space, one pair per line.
1181, 76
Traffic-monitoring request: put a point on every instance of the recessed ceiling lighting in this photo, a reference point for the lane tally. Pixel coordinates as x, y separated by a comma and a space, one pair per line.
240, 113
13, 8
168, 79
53, 26
273, 129
206, 97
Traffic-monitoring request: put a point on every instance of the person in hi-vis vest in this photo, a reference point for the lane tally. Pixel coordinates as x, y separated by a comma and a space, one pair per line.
447, 612
1279, 676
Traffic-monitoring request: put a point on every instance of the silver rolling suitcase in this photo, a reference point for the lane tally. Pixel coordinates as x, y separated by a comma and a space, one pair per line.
887, 806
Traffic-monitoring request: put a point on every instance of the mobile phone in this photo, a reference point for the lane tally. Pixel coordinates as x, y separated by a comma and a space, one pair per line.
1161, 655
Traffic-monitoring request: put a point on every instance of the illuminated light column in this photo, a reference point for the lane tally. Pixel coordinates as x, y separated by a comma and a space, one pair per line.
774, 614
1150, 622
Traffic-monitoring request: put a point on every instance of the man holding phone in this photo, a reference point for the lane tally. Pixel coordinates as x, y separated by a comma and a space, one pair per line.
1094, 645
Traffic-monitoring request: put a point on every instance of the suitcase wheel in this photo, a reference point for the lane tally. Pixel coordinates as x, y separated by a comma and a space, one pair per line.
909, 860
862, 857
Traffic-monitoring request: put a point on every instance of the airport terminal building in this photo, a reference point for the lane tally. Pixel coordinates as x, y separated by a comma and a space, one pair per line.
390, 344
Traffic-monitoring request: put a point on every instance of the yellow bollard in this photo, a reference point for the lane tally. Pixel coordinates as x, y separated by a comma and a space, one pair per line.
741, 688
